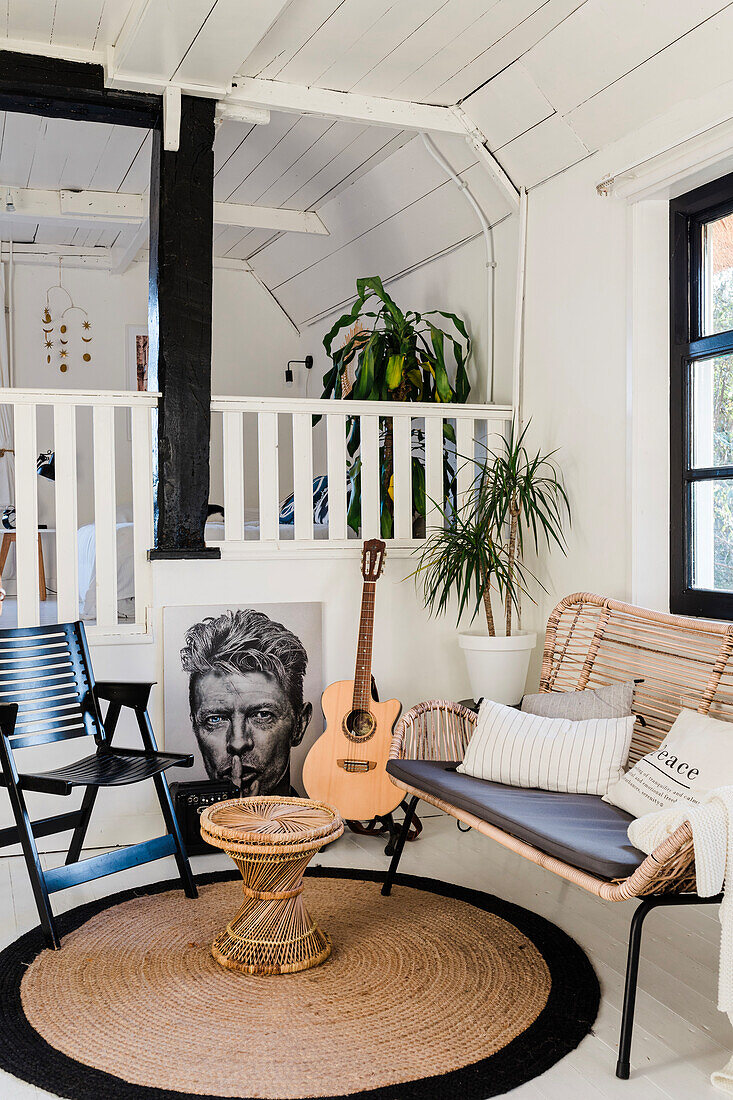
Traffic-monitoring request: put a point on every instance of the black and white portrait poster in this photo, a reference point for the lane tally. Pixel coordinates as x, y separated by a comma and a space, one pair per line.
242, 692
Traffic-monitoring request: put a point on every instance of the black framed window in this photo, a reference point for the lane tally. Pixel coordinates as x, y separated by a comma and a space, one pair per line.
701, 401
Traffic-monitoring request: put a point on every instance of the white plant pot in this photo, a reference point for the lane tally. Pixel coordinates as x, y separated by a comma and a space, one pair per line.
497, 667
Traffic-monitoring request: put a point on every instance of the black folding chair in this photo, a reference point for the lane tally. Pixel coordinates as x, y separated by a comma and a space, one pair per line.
48, 693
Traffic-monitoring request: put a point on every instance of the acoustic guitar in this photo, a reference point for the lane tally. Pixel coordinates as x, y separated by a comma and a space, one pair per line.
346, 767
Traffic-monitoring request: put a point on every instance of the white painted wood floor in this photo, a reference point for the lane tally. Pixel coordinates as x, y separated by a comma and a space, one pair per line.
680, 1036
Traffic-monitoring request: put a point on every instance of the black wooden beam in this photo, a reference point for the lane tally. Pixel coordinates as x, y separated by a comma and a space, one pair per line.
179, 325
70, 89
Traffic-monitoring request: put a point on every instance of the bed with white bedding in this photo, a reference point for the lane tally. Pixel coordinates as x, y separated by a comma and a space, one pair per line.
86, 544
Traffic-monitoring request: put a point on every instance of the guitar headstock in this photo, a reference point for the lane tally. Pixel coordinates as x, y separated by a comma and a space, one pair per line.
373, 553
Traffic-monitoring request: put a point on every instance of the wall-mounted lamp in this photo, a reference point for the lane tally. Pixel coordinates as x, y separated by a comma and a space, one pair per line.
9, 204
307, 363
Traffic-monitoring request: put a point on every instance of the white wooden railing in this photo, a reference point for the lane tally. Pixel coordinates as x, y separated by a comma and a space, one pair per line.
103, 459
265, 448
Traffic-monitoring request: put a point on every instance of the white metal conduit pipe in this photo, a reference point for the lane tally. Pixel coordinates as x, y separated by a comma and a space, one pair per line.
490, 260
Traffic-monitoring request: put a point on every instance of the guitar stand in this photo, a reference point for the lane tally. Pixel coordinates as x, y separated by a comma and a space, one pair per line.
385, 823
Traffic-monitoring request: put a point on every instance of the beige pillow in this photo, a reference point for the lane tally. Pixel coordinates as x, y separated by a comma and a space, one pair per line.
551, 754
696, 756
609, 701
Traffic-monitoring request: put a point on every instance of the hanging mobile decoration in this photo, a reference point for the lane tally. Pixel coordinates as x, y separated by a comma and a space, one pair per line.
49, 324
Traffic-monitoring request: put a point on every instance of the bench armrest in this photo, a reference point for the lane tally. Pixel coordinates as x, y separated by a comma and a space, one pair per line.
125, 693
436, 730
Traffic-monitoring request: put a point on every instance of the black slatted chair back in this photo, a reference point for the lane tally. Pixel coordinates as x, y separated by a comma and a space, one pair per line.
46, 672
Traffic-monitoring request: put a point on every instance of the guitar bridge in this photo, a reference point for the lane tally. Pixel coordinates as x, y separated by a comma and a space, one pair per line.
357, 765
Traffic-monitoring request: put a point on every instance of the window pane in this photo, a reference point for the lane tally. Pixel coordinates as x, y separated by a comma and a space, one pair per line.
717, 240
712, 411
712, 535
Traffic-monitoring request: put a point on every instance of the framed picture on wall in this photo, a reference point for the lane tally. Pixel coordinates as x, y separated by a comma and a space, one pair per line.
136, 362
242, 686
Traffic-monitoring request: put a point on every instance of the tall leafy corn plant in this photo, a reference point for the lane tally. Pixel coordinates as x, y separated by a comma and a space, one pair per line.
394, 355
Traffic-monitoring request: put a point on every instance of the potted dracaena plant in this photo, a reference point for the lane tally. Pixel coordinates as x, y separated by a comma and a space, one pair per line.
516, 498
394, 355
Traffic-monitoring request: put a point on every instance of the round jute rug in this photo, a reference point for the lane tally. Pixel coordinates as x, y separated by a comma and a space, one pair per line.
434, 992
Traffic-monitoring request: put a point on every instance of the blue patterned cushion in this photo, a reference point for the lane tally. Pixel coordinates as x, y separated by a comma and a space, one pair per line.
320, 503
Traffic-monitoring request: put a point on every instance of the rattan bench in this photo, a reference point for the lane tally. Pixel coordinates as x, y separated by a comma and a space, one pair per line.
592, 641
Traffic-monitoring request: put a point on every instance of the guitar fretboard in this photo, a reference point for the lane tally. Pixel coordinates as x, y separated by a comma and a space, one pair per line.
363, 671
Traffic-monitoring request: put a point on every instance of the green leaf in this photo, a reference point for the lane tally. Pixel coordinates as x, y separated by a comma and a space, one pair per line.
394, 371
442, 384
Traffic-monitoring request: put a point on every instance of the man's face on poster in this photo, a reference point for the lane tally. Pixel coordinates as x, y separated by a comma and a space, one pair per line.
246, 724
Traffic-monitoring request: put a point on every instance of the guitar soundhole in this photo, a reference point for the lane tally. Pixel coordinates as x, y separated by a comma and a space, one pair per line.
359, 724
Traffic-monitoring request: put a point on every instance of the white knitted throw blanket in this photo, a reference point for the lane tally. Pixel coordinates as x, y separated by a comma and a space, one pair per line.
712, 834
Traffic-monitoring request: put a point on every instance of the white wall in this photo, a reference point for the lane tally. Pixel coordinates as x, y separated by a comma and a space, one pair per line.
251, 338
575, 382
597, 355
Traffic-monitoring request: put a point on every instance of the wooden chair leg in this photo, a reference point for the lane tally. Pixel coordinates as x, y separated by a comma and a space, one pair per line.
4, 551
41, 571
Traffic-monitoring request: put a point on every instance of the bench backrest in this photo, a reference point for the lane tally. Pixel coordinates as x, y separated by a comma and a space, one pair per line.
591, 641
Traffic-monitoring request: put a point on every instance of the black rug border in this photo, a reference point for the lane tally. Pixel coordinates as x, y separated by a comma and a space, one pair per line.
566, 1019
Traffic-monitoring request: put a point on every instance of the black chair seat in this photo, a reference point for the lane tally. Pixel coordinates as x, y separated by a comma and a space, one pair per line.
109, 768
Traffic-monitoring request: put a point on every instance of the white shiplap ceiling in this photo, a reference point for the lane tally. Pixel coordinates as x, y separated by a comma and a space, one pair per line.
549, 82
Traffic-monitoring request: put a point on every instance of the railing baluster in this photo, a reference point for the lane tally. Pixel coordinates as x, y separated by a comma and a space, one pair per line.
466, 469
303, 475
26, 515
433, 471
402, 469
268, 475
67, 554
142, 509
336, 461
370, 496
105, 514
233, 439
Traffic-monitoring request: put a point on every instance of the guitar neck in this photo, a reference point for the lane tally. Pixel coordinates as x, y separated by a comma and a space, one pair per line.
363, 671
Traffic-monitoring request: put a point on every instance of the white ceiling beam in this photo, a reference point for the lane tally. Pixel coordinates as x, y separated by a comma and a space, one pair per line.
74, 206
171, 118
123, 255
80, 207
49, 49
268, 217
478, 140
238, 112
277, 95
667, 171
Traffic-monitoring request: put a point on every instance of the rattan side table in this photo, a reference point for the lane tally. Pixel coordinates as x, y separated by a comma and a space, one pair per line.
272, 840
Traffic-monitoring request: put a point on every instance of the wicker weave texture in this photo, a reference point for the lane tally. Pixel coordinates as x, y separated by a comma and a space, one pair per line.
592, 641
271, 840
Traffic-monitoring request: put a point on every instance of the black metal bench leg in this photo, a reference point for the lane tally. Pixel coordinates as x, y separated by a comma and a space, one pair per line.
623, 1066
171, 821
409, 812
80, 832
632, 974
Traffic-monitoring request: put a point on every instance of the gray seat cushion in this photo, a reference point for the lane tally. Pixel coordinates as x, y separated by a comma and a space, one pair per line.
579, 829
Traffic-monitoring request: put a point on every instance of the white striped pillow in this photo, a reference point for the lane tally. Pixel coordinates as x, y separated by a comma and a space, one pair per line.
549, 754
